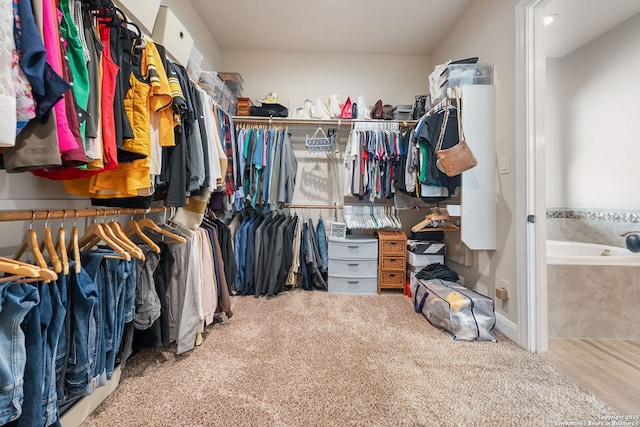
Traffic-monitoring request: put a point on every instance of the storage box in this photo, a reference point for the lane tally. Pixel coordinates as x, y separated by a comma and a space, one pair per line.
212, 84
143, 13
420, 261
173, 35
194, 65
233, 81
421, 247
469, 74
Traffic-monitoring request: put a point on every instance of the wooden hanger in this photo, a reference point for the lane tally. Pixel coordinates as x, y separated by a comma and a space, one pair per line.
30, 242
427, 223
123, 240
133, 228
16, 269
74, 244
148, 223
62, 245
96, 233
50, 247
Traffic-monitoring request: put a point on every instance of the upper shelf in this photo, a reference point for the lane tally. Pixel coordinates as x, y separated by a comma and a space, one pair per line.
311, 122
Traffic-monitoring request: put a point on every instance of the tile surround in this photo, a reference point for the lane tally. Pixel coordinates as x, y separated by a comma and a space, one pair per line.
590, 301
601, 226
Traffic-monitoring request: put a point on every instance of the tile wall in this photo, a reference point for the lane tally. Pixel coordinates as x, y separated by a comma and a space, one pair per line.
601, 226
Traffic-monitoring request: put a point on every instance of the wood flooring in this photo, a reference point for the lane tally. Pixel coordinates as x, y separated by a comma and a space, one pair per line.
610, 369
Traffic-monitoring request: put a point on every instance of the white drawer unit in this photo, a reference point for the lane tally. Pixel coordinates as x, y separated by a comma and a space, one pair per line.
353, 265
170, 33
142, 13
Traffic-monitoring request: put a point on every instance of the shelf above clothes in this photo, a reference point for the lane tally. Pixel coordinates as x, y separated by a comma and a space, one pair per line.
285, 121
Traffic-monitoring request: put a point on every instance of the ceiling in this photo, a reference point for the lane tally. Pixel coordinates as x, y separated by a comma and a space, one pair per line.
580, 21
410, 27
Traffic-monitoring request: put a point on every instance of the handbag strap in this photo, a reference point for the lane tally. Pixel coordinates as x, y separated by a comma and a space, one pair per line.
445, 119
458, 108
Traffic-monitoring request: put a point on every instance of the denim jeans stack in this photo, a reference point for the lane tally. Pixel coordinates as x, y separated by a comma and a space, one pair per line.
60, 340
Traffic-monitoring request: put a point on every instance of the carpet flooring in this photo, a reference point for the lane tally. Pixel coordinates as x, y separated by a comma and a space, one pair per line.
319, 359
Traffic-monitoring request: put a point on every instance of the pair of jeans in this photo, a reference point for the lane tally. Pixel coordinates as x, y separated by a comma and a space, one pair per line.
121, 285
16, 302
62, 351
109, 276
83, 329
42, 328
54, 334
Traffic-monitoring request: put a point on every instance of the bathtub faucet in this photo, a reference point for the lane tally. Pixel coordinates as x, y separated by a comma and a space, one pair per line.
632, 240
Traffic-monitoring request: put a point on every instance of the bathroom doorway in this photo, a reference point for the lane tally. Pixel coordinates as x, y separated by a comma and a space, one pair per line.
587, 321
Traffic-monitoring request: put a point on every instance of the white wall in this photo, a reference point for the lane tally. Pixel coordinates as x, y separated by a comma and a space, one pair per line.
487, 30
296, 76
593, 123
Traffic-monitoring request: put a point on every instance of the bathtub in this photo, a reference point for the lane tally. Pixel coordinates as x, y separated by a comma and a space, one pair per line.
575, 253
592, 296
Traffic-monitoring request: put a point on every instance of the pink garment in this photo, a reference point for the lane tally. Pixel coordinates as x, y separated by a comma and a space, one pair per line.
66, 140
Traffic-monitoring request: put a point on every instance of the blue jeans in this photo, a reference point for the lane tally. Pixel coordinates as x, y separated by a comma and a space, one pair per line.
42, 328
62, 351
51, 340
120, 309
16, 301
83, 330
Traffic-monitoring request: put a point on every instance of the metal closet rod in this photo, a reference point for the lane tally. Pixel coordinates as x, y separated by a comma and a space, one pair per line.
287, 121
37, 214
313, 206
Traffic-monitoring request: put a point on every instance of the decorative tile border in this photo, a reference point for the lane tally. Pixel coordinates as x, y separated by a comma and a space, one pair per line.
621, 216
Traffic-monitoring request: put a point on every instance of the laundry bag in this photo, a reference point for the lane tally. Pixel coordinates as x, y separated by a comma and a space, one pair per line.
465, 314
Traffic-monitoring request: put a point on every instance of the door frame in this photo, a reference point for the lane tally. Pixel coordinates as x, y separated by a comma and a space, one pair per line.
530, 178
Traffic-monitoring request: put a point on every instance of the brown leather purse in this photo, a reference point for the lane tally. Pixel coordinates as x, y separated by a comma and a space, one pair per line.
459, 158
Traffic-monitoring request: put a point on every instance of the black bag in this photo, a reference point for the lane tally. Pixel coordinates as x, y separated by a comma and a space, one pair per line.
270, 110
420, 106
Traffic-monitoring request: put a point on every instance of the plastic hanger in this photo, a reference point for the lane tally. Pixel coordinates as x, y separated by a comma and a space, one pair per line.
62, 245
50, 247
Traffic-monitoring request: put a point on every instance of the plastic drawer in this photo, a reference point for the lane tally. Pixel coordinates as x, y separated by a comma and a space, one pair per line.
352, 268
353, 248
353, 285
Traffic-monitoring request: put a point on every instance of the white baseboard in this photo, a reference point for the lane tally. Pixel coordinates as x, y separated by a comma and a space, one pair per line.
508, 328
81, 410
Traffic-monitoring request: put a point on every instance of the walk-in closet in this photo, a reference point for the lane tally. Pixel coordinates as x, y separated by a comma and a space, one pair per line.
291, 214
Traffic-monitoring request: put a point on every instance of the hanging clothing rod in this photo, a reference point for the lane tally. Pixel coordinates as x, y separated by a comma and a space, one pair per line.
313, 122
313, 206
38, 214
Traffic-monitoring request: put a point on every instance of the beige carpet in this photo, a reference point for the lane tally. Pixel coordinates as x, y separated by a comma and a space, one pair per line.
320, 359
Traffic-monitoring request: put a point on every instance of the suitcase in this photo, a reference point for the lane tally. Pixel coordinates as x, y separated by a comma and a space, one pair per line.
465, 314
